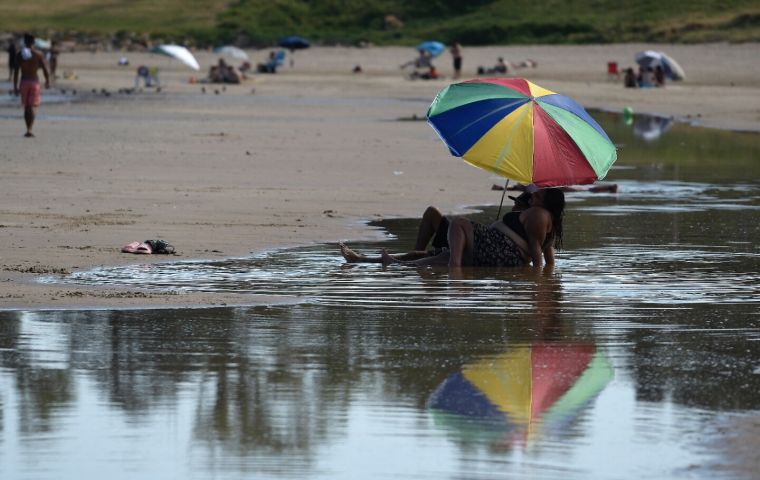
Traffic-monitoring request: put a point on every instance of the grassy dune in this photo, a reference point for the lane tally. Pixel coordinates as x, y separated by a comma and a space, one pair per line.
350, 21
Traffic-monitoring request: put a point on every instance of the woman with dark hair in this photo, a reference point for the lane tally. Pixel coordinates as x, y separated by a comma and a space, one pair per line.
520, 238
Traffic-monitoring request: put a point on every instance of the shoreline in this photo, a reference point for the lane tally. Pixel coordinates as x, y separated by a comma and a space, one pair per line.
310, 155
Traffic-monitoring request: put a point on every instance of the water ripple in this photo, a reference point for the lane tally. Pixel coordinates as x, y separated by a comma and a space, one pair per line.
620, 276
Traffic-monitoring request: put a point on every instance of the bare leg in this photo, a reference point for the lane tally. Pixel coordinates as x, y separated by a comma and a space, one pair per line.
431, 219
29, 119
352, 256
440, 259
461, 241
611, 188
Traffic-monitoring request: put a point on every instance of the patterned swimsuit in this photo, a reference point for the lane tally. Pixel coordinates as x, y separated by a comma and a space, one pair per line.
494, 249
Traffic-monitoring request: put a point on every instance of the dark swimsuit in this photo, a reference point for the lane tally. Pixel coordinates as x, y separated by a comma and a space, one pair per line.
512, 220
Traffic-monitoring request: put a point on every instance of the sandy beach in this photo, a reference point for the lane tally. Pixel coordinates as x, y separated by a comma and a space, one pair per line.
308, 155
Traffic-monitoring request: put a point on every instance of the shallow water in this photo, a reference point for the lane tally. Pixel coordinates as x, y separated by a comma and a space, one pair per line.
638, 355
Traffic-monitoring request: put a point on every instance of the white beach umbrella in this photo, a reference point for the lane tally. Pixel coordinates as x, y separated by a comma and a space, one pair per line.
42, 43
232, 51
179, 52
651, 127
653, 58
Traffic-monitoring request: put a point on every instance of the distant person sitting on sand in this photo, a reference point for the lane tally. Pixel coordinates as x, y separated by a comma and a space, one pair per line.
430, 74
223, 73
500, 68
645, 78
274, 60
143, 74
26, 82
432, 235
629, 78
659, 76
527, 63
423, 60
420, 67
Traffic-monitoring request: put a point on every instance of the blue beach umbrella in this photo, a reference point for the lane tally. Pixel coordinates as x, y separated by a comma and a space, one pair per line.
294, 42
432, 47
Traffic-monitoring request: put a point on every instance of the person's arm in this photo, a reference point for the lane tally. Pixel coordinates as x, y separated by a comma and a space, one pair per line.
536, 226
549, 255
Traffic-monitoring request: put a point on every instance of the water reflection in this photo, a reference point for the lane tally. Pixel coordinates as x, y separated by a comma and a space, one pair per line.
294, 391
536, 387
642, 343
651, 127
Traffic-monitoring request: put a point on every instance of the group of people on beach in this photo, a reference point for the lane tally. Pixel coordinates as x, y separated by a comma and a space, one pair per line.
646, 77
422, 66
529, 234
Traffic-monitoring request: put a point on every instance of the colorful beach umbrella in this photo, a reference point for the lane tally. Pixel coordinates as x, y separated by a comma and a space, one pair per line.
521, 131
528, 390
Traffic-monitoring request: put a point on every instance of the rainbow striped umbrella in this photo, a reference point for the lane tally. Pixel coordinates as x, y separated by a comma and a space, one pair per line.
526, 391
518, 130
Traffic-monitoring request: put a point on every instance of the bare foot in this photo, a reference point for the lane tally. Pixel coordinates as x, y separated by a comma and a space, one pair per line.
349, 255
387, 259
29, 135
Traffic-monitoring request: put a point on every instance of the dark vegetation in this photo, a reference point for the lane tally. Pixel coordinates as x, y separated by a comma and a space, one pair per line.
474, 22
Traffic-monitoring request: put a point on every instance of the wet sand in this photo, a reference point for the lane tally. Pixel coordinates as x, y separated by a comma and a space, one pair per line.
304, 156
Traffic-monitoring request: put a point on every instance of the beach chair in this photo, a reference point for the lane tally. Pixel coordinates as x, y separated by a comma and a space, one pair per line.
276, 59
613, 73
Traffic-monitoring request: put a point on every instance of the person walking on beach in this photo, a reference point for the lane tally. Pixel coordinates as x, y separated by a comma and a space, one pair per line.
11, 58
456, 54
28, 61
52, 56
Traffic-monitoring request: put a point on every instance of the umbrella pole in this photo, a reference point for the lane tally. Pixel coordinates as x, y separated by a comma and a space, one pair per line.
502, 199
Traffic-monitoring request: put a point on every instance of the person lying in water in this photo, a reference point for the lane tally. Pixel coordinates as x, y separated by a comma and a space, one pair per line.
520, 238
433, 226
432, 230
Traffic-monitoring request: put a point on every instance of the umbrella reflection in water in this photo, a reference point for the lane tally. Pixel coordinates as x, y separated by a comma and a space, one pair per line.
524, 392
534, 388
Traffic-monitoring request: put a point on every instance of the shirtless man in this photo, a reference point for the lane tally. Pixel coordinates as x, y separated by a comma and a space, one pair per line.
28, 61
